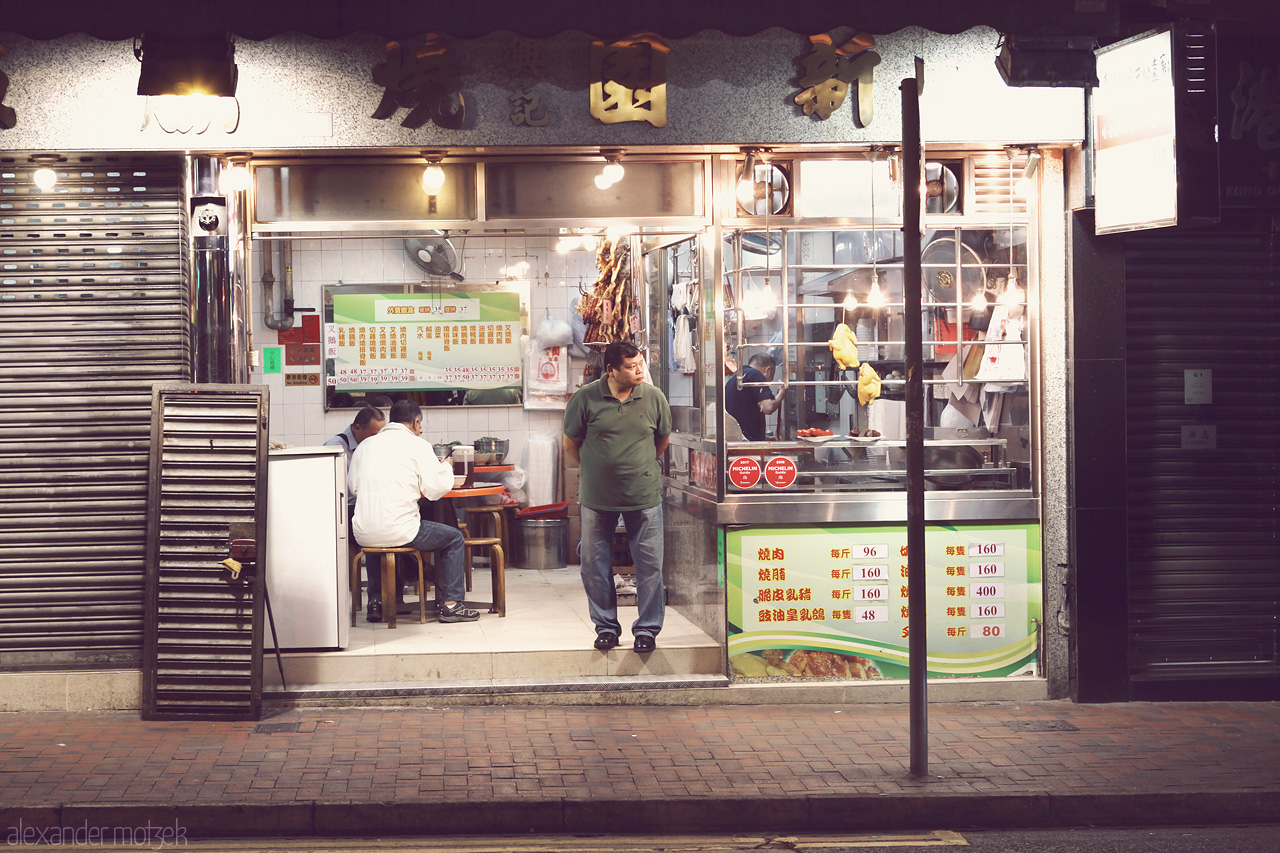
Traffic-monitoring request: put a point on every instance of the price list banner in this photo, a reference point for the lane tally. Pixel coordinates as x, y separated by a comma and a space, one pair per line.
414, 341
808, 601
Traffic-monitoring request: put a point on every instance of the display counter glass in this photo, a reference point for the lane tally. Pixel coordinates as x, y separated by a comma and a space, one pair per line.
797, 405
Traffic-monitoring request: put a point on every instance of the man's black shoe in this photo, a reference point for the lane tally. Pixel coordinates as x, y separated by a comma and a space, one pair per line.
606, 640
643, 644
374, 611
459, 612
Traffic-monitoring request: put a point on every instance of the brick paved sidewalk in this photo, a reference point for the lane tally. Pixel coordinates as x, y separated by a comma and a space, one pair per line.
387, 771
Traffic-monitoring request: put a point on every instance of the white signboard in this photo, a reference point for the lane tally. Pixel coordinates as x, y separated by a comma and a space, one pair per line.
1135, 165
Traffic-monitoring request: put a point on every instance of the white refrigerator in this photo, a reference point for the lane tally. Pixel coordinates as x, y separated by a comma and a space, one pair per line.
307, 566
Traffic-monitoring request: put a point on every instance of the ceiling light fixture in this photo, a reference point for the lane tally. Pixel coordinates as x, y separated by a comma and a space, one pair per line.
44, 176
237, 177
174, 65
1023, 185
433, 176
613, 171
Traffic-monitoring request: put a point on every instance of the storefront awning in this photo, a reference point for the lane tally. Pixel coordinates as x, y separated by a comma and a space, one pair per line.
255, 19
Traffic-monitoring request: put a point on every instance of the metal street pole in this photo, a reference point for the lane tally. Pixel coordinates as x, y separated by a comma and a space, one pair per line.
917, 648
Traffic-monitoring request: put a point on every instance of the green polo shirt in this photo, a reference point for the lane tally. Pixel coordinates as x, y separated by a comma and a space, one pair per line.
620, 469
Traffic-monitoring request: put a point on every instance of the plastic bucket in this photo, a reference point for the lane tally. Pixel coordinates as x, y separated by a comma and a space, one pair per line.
541, 543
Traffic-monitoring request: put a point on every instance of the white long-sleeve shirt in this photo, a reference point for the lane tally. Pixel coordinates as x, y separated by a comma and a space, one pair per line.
389, 472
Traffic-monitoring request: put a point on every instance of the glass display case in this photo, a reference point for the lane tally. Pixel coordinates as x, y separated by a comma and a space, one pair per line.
794, 404
825, 306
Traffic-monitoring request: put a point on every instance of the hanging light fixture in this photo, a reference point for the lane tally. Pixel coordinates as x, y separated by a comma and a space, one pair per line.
613, 170
1011, 296
176, 65
875, 298
433, 176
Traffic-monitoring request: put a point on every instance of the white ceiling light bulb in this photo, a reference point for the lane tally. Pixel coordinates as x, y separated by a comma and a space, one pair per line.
876, 297
1011, 296
236, 179
44, 178
432, 179
613, 172
603, 182
979, 303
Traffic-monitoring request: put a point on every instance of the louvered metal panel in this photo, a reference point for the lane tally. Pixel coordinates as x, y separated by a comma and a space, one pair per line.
994, 176
203, 650
94, 309
1204, 565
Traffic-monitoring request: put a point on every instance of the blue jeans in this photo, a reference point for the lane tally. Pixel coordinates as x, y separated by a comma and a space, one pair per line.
644, 536
451, 583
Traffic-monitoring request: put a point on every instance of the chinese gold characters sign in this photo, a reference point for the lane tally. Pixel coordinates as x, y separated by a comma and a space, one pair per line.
832, 601
424, 341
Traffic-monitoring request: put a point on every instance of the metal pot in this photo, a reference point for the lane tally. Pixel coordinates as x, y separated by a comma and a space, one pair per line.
491, 451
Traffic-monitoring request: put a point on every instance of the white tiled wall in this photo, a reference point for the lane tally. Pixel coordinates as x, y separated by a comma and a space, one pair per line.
298, 417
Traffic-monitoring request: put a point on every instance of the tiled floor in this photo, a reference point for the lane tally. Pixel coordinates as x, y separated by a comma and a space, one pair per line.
546, 635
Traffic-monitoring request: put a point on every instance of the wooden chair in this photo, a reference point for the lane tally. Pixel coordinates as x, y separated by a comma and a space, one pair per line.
389, 581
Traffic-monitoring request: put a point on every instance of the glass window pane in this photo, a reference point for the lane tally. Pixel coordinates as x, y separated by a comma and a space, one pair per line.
360, 193
568, 190
844, 188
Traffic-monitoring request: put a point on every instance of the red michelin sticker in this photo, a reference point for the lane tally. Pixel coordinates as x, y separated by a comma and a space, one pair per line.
744, 472
780, 472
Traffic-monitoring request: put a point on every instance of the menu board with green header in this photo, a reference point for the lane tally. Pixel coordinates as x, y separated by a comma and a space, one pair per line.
813, 601
413, 341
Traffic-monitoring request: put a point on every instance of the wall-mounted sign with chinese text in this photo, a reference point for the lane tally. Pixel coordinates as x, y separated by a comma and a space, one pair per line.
1249, 103
828, 71
418, 75
415, 341
832, 601
629, 80
1135, 163
1159, 130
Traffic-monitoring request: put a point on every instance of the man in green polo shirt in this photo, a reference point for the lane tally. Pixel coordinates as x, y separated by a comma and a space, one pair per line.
616, 429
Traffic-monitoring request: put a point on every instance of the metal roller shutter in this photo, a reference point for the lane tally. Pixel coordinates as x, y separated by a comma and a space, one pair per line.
1204, 574
203, 651
94, 309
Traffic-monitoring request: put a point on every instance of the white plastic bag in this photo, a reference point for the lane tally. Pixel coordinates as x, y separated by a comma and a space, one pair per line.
553, 332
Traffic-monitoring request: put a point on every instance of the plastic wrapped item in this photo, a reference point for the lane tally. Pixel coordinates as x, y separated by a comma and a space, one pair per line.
578, 348
542, 461
553, 332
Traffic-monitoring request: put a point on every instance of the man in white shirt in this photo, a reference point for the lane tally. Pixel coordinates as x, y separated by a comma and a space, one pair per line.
389, 472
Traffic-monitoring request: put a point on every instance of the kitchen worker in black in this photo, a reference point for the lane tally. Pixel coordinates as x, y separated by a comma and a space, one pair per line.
749, 404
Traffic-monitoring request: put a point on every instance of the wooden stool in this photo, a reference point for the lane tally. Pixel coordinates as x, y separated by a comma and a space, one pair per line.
495, 517
497, 568
389, 582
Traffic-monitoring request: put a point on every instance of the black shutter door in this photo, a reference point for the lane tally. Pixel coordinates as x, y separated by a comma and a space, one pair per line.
94, 310
1204, 559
